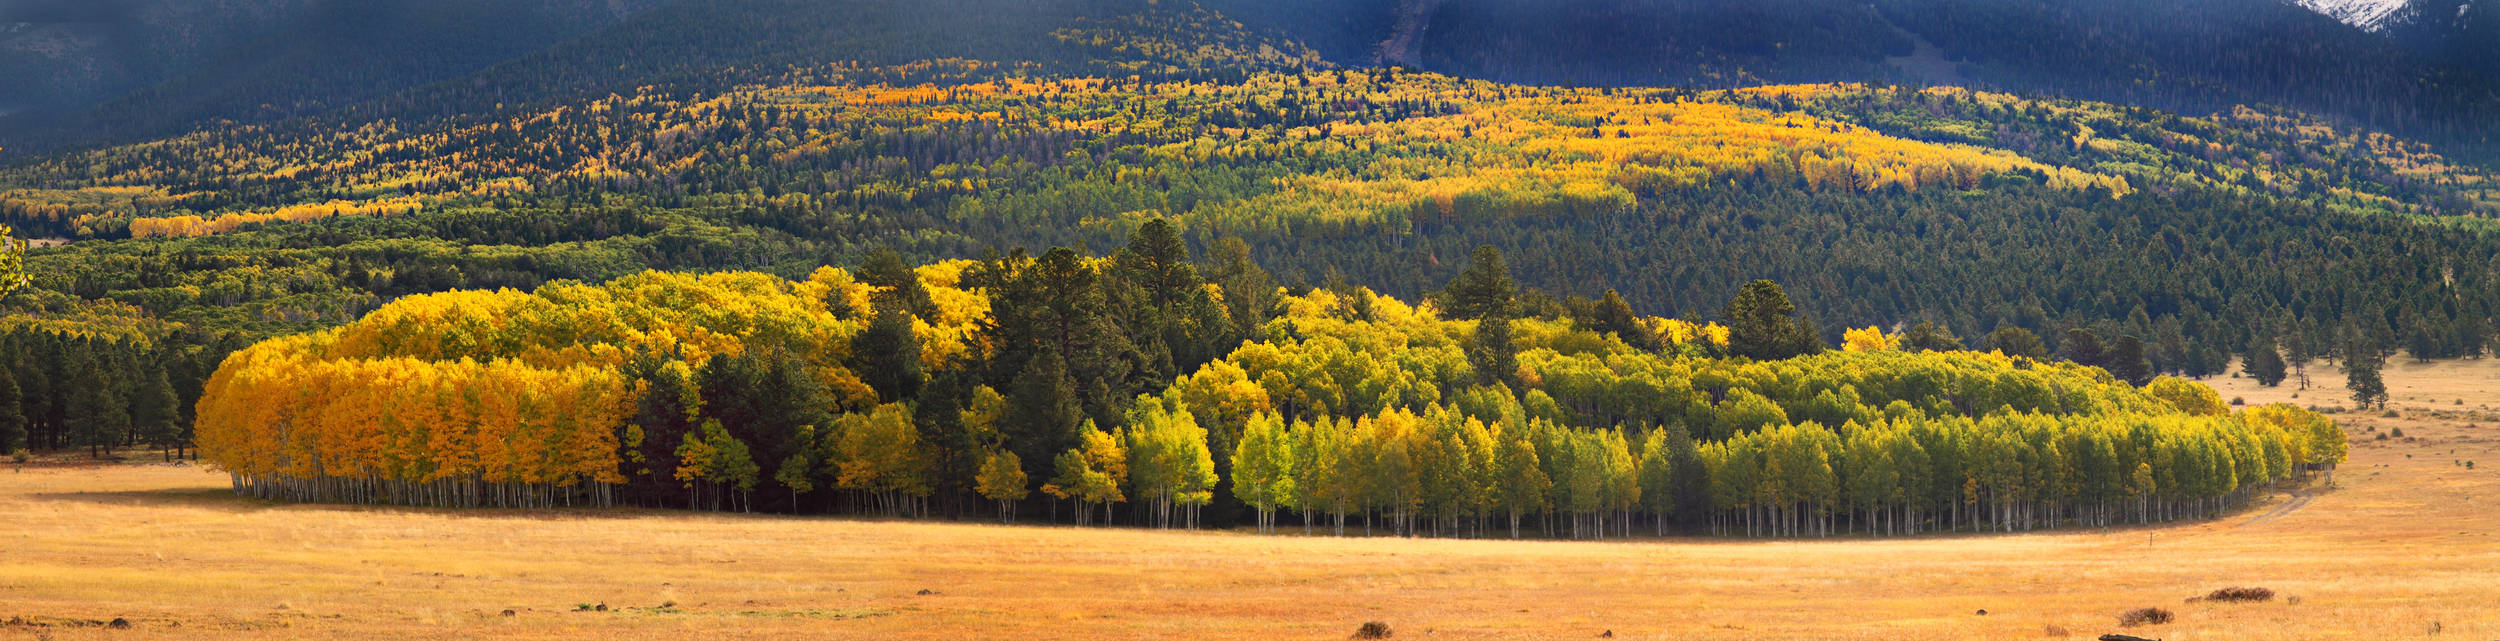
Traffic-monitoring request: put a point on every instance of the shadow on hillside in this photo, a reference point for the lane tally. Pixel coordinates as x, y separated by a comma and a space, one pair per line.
210, 498
224, 500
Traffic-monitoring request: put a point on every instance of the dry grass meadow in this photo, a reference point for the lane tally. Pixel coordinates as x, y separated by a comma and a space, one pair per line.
2403, 547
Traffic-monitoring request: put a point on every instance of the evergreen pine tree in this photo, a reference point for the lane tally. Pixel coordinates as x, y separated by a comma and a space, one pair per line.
1760, 325
1482, 290
2082, 347
885, 268
1249, 292
1928, 336
2127, 362
2298, 351
2361, 371
664, 416
12, 419
889, 353
1492, 353
2016, 341
1612, 315
94, 415
153, 414
1042, 412
2264, 363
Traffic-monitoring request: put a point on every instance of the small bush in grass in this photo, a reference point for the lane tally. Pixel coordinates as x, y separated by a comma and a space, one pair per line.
2238, 595
2390, 414
1372, 630
2144, 616
2382, 436
2238, 401
2396, 432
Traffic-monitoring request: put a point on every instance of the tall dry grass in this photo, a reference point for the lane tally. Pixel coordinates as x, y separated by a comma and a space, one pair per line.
2404, 543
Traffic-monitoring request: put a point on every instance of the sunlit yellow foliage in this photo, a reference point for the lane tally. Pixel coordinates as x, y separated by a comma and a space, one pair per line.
1870, 339
1677, 331
1380, 149
280, 413
189, 225
496, 387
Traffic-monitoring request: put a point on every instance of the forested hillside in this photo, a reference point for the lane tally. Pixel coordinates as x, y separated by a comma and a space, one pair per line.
2195, 234
1102, 382
770, 140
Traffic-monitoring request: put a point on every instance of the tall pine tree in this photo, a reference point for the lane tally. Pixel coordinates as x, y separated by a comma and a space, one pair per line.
153, 415
2264, 363
2126, 361
1482, 290
1762, 325
889, 353
12, 419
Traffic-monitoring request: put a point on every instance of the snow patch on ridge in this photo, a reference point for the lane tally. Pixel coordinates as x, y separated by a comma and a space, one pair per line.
2366, 14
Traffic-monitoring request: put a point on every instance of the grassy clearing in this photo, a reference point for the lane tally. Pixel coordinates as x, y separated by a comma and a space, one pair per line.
2404, 542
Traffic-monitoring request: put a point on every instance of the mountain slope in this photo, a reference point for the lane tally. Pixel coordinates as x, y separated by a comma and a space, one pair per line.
128, 69
2195, 57
133, 69
1882, 205
342, 57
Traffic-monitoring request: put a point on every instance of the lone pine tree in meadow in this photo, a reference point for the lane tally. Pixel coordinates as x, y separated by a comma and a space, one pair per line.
2361, 374
2264, 362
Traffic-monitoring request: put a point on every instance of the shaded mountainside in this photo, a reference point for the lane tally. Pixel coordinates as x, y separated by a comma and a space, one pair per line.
2196, 57
366, 61
128, 69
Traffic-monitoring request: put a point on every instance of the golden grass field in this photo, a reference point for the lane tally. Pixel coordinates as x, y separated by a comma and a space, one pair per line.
2403, 544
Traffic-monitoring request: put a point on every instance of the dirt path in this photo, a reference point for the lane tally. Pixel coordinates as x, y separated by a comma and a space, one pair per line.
2300, 498
1926, 62
1413, 17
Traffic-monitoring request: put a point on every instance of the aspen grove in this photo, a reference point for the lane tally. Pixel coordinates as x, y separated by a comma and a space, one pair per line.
1133, 389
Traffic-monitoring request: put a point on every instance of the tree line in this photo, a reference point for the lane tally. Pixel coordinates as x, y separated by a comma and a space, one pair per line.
64, 391
1137, 388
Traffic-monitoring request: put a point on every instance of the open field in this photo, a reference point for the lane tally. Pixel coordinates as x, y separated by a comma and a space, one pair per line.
2402, 545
